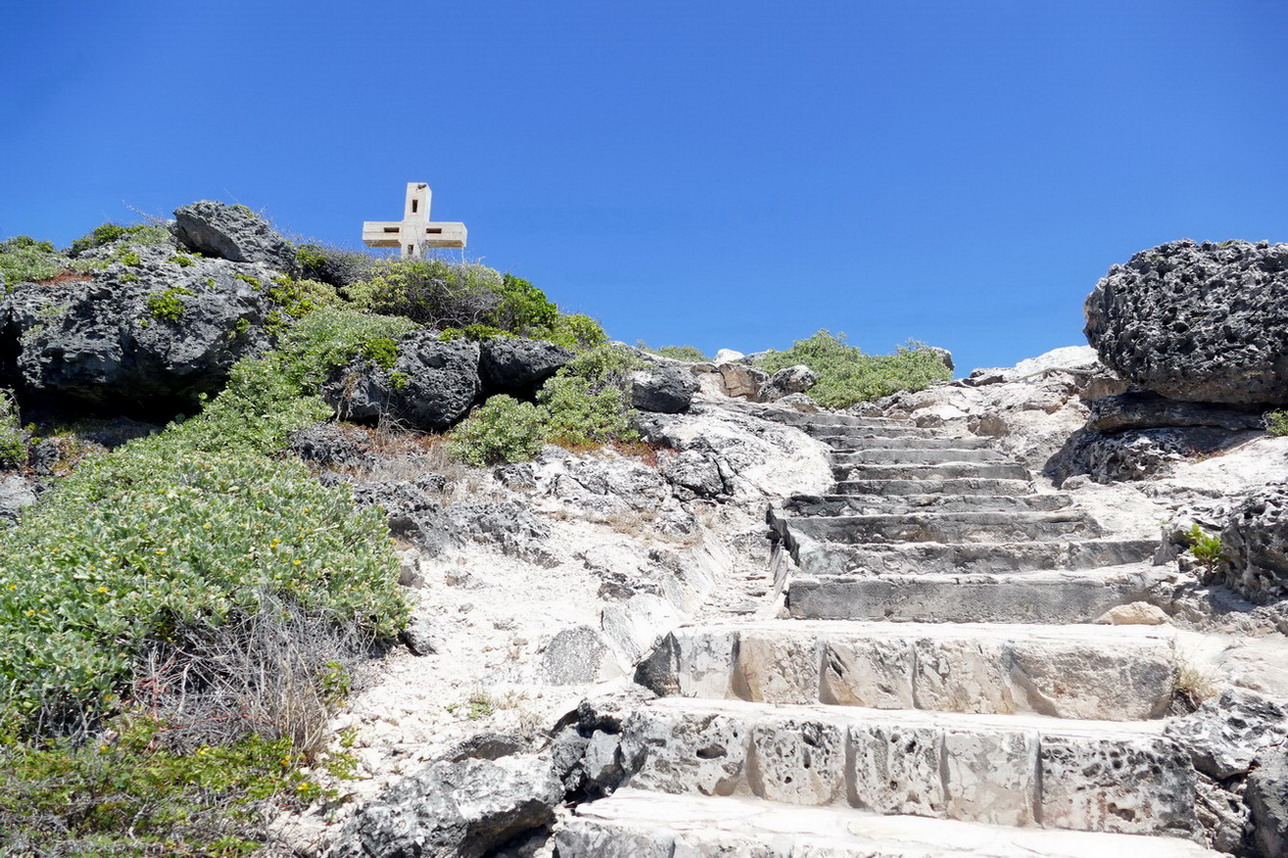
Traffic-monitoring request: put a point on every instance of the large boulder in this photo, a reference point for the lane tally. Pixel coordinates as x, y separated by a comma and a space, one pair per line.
455, 809
1267, 798
1225, 735
152, 335
664, 389
1255, 544
519, 366
1197, 322
234, 233
430, 385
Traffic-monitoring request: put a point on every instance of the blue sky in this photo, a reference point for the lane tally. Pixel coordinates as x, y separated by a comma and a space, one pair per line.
711, 173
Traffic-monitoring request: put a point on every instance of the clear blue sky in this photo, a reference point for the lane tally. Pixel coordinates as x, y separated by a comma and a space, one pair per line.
735, 173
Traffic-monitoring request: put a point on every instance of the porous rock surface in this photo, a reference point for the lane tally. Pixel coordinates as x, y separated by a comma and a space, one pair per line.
664, 389
1255, 543
1197, 322
100, 342
431, 385
234, 233
519, 366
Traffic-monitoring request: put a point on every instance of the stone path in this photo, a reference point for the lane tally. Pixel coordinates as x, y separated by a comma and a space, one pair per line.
938, 689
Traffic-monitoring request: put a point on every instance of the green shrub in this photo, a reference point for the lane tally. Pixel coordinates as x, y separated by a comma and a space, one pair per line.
579, 414
137, 234
847, 376
13, 438
473, 333
25, 260
501, 430
1276, 422
684, 353
429, 292
523, 309
382, 351
329, 339
330, 265
575, 331
1206, 548
168, 304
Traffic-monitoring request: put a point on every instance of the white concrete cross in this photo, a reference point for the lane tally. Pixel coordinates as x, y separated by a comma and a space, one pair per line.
415, 233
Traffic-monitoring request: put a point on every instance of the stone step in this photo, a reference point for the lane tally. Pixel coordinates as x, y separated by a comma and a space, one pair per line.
1007, 526
634, 823
834, 435
822, 420
824, 505
844, 443
907, 456
944, 486
946, 470
830, 558
1033, 597
1022, 771
1075, 672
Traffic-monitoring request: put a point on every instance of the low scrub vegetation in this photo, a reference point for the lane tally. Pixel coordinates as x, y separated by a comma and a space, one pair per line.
846, 375
691, 354
585, 403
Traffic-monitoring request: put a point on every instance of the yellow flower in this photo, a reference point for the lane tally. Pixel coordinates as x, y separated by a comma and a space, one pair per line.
160, 551
102, 589
296, 562
205, 527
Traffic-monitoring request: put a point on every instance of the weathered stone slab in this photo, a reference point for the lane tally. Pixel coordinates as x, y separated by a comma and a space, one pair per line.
778, 667
1132, 785
676, 751
865, 671
896, 768
798, 762
991, 776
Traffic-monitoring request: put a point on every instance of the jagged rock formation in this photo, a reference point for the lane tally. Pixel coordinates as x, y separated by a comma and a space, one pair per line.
940, 687
234, 233
1197, 322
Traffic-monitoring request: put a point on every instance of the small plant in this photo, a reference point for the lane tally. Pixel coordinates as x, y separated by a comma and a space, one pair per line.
1192, 686
1276, 423
129, 277
684, 353
137, 234
168, 305
253, 282
847, 376
1206, 548
501, 430
129, 257
13, 438
182, 261
25, 260
382, 351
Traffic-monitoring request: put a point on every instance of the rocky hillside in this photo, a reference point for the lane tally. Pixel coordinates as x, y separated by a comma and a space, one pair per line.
370, 558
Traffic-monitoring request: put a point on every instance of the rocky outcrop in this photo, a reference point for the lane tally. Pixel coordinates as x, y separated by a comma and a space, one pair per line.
792, 379
1267, 798
668, 390
430, 385
1255, 545
519, 366
455, 809
15, 494
234, 233
1141, 410
148, 335
1135, 454
1197, 322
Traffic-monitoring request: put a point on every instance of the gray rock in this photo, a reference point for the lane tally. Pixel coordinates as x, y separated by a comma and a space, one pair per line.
234, 233
421, 637
1149, 411
1197, 322
509, 525
1267, 799
519, 366
694, 474
944, 355
1133, 454
15, 494
742, 381
574, 656
330, 446
516, 476
431, 385
793, 379
413, 510
1225, 735
485, 746
109, 342
1255, 543
463, 809
667, 390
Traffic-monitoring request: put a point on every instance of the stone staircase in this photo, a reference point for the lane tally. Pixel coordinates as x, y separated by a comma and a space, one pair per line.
938, 687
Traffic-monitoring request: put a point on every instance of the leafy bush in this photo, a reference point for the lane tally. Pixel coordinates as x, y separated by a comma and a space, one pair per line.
685, 353
137, 234
329, 339
579, 413
575, 331
473, 333
1206, 548
25, 260
13, 438
1276, 422
501, 430
430, 292
523, 309
168, 304
847, 376
333, 266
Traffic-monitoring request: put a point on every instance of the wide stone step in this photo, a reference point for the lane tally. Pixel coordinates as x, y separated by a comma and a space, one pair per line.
634, 823
946, 470
828, 433
848, 443
1021, 771
824, 505
1009, 526
936, 485
830, 558
1089, 672
907, 456
1033, 597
